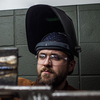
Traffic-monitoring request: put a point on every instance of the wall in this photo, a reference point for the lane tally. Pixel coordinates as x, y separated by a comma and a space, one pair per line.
86, 20
22, 4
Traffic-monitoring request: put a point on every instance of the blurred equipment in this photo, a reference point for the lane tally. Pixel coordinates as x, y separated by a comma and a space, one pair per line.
45, 93
8, 66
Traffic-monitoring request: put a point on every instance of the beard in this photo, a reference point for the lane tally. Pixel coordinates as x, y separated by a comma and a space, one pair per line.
51, 79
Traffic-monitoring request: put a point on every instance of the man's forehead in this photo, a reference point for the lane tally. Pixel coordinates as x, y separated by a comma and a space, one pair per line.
52, 52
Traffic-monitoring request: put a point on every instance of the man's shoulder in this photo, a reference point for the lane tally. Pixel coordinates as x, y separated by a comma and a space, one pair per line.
25, 82
70, 88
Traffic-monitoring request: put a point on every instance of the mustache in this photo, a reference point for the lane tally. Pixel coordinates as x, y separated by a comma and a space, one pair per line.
47, 69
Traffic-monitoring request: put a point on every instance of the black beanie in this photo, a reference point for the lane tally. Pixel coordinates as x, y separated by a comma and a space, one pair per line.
55, 41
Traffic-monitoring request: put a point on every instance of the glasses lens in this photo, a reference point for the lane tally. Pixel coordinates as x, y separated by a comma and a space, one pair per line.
54, 59
42, 56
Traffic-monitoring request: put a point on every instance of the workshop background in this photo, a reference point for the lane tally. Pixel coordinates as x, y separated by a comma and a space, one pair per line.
86, 19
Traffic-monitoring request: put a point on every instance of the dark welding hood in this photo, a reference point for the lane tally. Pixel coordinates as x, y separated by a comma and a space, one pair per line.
44, 19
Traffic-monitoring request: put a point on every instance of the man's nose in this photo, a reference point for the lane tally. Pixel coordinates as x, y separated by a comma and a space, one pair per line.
47, 61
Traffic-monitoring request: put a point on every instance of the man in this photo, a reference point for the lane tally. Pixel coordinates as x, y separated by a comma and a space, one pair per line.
55, 46
54, 62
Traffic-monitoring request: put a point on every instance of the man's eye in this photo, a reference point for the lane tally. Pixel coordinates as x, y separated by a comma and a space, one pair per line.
55, 57
42, 56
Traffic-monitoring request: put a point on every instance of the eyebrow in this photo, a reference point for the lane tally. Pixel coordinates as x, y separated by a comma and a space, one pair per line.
54, 54
41, 53
50, 54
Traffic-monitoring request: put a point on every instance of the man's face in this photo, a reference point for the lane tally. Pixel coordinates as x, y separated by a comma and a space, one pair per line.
52, 67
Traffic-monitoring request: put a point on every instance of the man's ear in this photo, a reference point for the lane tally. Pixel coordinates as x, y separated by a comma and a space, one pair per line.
71, 65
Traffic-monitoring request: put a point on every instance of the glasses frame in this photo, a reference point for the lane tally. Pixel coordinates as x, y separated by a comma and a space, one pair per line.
61, 57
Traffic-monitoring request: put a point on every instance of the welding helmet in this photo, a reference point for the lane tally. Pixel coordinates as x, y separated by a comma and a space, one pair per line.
44, 19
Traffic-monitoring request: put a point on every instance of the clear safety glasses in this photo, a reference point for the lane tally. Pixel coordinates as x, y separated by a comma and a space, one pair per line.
55, 59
